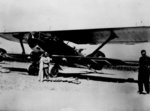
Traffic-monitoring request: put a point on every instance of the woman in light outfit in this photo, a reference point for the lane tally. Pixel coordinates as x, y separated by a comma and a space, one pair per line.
44, 66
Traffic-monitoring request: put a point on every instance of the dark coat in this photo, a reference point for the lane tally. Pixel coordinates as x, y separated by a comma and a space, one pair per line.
144, 71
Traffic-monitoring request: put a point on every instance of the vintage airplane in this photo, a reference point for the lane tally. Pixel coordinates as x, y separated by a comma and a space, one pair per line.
63, 54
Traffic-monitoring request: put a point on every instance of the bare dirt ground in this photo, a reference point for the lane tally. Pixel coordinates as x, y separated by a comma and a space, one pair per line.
109, 90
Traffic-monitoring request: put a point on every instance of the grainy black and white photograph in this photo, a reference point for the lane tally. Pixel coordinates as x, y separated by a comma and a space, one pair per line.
74, 55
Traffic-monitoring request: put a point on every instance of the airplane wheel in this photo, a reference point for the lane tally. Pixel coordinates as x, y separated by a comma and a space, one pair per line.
100, 67
100, 54
32, 70
95, 65
54, 71
3, 53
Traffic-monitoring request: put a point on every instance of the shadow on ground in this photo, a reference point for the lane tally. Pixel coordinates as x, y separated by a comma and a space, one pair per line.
84, 75
16, 69
89, 76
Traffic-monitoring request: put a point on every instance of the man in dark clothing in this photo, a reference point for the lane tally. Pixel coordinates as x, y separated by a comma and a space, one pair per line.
143, 76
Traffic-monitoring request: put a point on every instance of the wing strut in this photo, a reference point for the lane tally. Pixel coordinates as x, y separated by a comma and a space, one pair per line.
22, 46
111, 37
20, 37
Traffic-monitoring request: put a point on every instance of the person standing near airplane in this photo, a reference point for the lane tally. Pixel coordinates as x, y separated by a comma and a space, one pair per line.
143, 76
44, 66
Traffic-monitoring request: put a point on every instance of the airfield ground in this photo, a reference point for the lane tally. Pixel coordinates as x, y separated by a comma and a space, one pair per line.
109, 90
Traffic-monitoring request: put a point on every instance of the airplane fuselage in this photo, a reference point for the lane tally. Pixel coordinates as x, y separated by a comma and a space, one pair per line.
59, 50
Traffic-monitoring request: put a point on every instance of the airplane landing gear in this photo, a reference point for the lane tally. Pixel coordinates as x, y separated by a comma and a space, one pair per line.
95, 64
3, 53
33, 69
55, 70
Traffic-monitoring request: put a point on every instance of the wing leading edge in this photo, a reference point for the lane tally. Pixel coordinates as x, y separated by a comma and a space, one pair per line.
91, 36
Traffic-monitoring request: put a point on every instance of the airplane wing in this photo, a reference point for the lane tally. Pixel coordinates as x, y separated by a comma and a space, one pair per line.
8, 36
96, 36
11, 36
93, 36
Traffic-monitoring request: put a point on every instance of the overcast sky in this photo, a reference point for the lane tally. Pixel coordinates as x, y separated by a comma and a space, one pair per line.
30, 15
